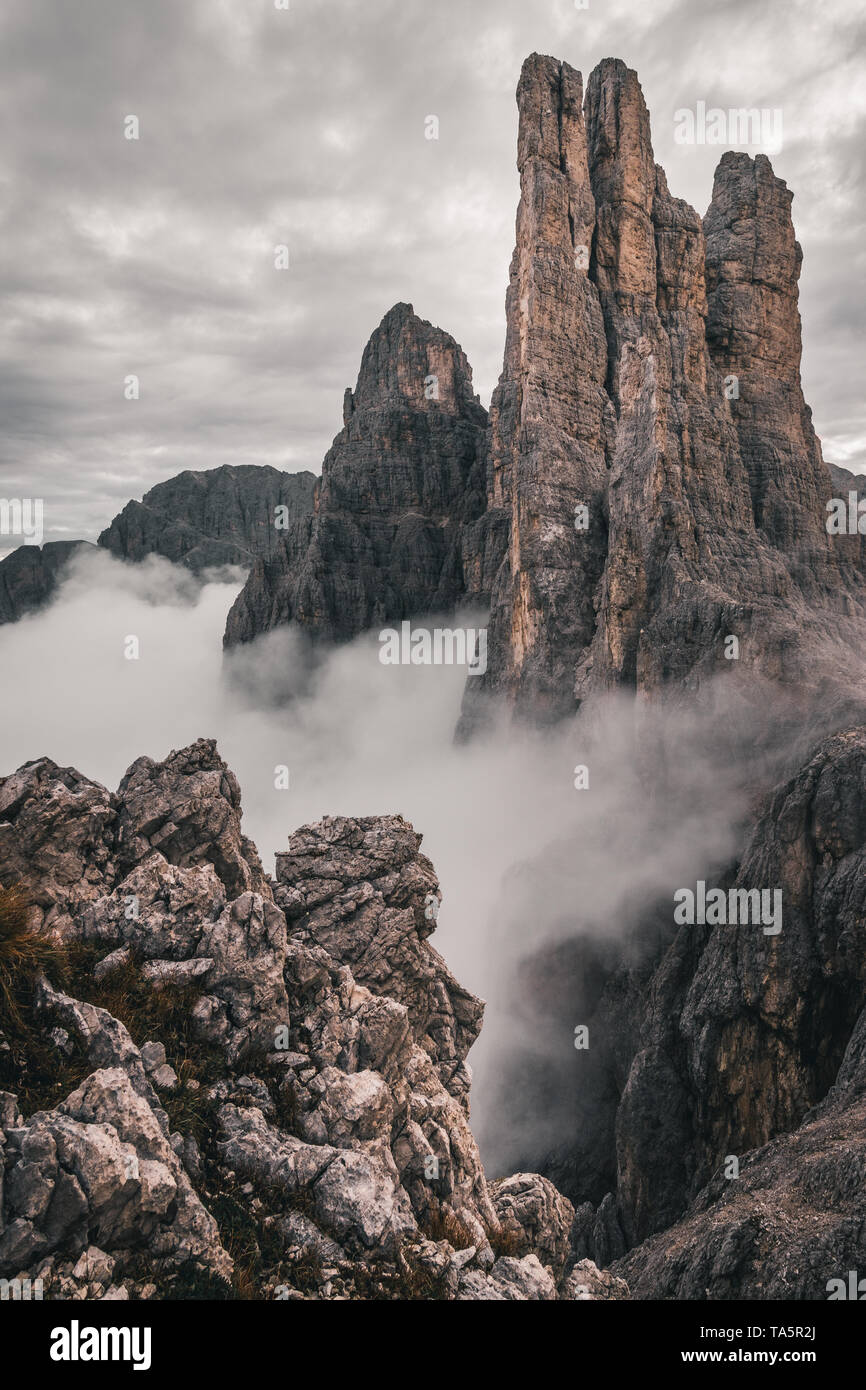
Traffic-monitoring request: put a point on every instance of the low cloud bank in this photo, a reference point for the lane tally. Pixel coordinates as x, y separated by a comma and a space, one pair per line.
526, 859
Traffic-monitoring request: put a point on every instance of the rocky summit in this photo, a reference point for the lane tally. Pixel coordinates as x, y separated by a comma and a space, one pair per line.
401, 525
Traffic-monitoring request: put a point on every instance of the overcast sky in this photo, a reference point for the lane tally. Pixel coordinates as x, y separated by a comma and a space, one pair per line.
261, 126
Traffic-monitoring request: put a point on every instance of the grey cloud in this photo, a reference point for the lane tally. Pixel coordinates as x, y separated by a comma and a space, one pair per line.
307, 127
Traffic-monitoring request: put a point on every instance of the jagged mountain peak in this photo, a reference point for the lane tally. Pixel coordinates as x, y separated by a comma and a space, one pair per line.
409, 360
402, 500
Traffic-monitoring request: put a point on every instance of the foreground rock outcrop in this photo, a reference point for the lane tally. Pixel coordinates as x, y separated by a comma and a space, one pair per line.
216, 1083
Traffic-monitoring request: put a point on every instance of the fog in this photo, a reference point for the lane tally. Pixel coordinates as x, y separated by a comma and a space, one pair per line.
524, 859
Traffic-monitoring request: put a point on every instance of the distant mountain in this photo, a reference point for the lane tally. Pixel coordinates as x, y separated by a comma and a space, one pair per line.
220, 516
29, 576
844, 480
224, 516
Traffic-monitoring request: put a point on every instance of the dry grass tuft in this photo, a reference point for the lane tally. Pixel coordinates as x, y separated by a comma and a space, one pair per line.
444, 1224
24, 954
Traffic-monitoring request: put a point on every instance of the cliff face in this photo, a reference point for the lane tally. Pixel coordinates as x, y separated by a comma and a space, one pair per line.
769, 1234
753, 330
671, 408
400, 526
750, 1031
715, 1049
187, 1045
551, 421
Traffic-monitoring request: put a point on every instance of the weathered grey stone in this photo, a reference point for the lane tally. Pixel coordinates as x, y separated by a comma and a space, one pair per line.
361, 889
56, 840
100, 1166
530, 1208
587, 1283
509, 1280
187, 807
113, 961
94, 1265
152, 1055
